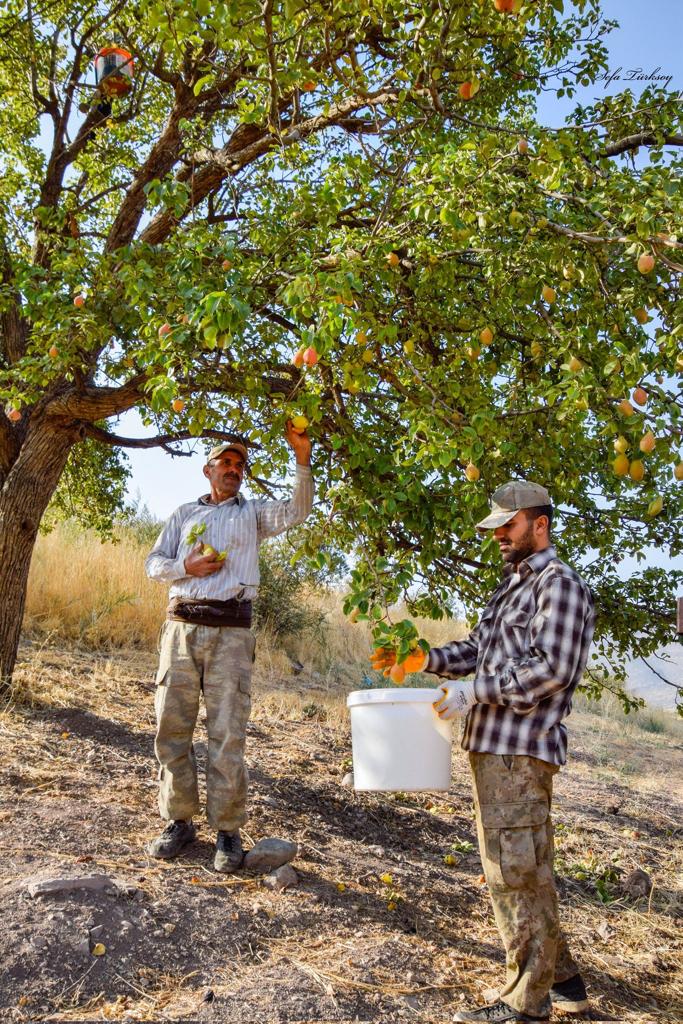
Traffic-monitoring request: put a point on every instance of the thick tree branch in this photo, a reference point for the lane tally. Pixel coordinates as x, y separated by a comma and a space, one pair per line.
160, 441
641, 139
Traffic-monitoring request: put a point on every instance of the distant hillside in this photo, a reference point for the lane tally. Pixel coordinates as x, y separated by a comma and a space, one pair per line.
644, 682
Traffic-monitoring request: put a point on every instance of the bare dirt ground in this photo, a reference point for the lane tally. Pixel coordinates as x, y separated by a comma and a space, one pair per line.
380, 928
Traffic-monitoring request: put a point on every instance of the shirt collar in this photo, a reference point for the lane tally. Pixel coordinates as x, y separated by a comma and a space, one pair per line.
534, 563
206, 500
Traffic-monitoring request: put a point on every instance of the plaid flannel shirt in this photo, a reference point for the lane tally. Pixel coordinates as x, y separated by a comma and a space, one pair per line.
528, 653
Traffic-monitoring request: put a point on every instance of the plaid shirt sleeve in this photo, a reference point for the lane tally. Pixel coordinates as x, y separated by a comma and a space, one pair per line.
557, 652
456, 659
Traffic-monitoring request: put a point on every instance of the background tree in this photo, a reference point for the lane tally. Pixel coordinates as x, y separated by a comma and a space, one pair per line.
364, 180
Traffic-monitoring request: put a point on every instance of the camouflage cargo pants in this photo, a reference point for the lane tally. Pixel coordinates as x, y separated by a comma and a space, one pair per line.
216, 661
513, 795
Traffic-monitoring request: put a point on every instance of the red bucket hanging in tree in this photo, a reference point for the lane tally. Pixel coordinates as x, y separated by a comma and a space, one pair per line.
114, 71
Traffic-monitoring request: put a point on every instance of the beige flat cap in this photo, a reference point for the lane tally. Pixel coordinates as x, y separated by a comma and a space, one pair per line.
235, 446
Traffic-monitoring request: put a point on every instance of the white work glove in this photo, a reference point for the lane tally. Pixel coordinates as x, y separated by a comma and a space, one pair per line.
457, 699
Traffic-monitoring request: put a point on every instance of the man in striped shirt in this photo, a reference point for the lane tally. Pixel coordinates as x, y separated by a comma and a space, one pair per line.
526, 654
208, 552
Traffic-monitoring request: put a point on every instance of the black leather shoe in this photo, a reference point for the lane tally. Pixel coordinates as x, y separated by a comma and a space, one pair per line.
229, 852
497, 1013
175, 836
570, 996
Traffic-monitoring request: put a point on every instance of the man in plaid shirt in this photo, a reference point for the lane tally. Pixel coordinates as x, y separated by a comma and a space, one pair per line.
527, 654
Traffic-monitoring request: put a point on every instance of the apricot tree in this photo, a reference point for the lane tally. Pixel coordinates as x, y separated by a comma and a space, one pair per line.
363, 186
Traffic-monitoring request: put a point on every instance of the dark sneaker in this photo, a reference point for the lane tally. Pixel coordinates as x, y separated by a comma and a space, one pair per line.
229, 852
497, 1013
175, 836
570, 996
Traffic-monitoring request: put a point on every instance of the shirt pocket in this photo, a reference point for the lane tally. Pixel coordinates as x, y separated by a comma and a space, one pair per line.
514, 632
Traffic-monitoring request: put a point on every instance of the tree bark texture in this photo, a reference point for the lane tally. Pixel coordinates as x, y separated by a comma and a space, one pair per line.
24, 496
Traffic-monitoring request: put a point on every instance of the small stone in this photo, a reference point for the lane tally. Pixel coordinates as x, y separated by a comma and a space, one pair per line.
377, 851
96, 933
269, 854
168, 928
284, 878
637, 883
347, 781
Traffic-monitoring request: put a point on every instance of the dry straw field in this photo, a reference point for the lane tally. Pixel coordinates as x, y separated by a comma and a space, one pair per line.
389, 922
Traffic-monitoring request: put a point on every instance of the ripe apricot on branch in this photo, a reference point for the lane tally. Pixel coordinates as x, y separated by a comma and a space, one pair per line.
79, 300
177, 405
620, 444
397, 674
548, 294
641, 315
486, 336
647, 442
298, 358
368, 355
466, 90
227, 264
310, 356
504, 6
471, 472
13, 414
678, 471
164, 330
621, 465
625, 407
655, 506
53, 351
523, 147
637, 470
640, 396
393, 259
575, 364
299, 424
646, 263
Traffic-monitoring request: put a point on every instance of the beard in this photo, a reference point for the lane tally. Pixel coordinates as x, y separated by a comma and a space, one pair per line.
514, 552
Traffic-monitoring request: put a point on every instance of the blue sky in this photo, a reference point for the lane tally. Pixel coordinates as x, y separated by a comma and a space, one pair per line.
648, 40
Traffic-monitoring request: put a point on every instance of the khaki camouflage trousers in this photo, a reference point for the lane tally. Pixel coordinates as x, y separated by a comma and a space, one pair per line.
512, 796
216, 661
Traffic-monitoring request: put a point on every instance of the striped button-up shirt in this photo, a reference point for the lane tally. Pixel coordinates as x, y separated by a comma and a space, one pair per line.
238, 526
528, 652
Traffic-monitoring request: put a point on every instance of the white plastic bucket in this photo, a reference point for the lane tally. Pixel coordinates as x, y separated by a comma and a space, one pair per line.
399, 742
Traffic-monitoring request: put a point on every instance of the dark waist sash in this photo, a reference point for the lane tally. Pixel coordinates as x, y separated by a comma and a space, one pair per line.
210, 613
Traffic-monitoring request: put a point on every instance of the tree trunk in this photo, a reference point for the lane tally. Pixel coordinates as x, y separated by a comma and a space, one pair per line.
24, 496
